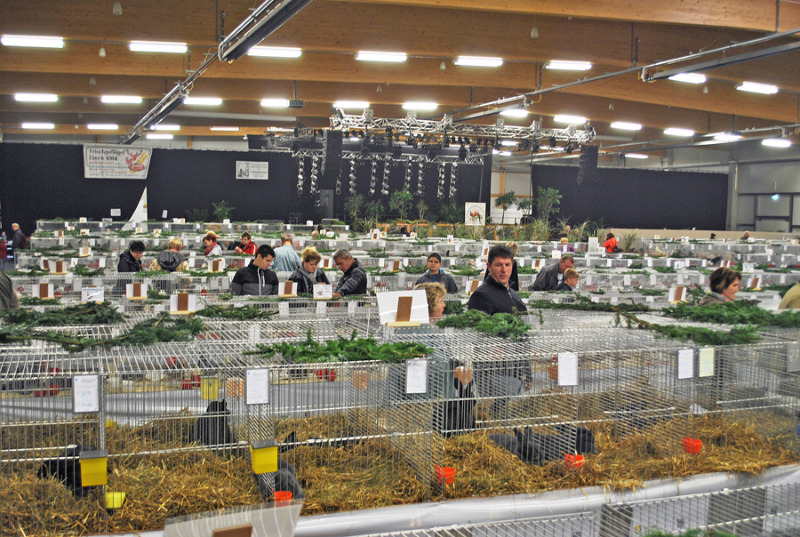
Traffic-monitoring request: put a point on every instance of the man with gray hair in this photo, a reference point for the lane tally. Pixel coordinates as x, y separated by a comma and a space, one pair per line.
286, 259
354, 279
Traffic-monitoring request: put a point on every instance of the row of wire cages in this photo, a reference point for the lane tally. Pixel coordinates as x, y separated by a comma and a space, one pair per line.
572, 387
746, 512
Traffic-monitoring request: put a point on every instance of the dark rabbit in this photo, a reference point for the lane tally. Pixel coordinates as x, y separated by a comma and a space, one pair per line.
506, 441
213, 428
458, 415
67, 469
284, 481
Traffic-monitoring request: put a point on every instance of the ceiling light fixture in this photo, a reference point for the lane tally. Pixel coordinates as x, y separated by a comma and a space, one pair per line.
262, 22
689, 78
203, 101
570, 120
39, 126
102, 52
121, 99
625, 126
38, 41
36, 97
635, 155
514, 112
230, 129
102, 126
159, 136
508, 143
420, 105
166, 127
157, 46
351, 104
781, 143
678, 131
727, 137
275, 103
756, 87
117, 9
375, 56
566, 65
478, 61
275, 52
775, 197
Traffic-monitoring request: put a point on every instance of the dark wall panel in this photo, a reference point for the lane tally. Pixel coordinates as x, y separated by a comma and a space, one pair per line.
39, 181
639, 198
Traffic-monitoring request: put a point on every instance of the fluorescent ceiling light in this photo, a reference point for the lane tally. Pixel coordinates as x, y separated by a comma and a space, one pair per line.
351, 104
32, 125
677, 131
231, 129
121, 99
40, 41
514, 112
157, 46
727, 137
36, 97
166, 127
420, 105
755, 87
508, 143
375, 56
775, 197
505, 153
565, 65
203, 101
102, 126
275, 52
280, 129
275, 103
479, 61
782, 143
570, 120
354, 138
635, 155
159, 136
689, 78
625, 126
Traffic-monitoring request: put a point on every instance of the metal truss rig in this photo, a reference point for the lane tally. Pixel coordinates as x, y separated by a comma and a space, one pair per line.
470, 158
411, 126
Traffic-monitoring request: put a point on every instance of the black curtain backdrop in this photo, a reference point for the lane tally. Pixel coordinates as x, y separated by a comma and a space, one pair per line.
638, 198
45, 181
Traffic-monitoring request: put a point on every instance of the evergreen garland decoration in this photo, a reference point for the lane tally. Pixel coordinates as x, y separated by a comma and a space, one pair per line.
504, 325
89, 313
744, 312
240, 313
585, 304
452, 307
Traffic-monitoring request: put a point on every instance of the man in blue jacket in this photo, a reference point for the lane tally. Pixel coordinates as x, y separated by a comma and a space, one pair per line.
256, 278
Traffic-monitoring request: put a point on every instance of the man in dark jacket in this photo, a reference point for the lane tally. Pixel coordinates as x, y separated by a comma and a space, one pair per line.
494, 295
256, 278
435, 274
131, 261
551, 276
354, 279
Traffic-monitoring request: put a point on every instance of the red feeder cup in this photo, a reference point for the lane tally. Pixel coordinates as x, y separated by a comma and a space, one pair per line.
573, 461
692, 445
445, 475
283, 496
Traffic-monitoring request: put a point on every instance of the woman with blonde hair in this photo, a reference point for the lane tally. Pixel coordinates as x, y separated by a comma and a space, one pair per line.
308, 273
171, 259
435, 293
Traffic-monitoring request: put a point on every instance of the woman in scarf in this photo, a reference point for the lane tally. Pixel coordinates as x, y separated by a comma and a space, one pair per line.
309, 273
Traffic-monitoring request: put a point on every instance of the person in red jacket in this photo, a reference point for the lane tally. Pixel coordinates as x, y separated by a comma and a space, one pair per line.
3, 255
247, 246
611, 244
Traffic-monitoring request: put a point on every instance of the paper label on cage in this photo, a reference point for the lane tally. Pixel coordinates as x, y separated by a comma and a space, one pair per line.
351, 306
322, 309
783, 278
375, 234
323, 291
450, 239
610, 263
650, 299
359, 244
417, 376
92, 294
567, 369
330, 234
769, 251
793, 357
626, 280
85, 393
430, 247
685, 364
588, 280
382, 244
593, 242
381, 262
704, 263
82, 220
679, 265
257, 387
649, 262
681, 279
748, 267
705, 362
555, 254
283, 308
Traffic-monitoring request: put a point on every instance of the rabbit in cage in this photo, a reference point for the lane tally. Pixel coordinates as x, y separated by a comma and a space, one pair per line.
284, 480
213, 428
67, 469
541, 448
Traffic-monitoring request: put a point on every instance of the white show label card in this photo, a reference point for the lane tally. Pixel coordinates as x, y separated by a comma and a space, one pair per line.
257, 387
323, 291
388, 305
705, 360
748, 267
116, 212
283, 308
417, 376
685, 364
92, 294
85, 393
567, 369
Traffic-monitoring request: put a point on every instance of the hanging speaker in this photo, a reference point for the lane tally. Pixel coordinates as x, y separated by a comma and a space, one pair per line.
588, 163
331, 152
